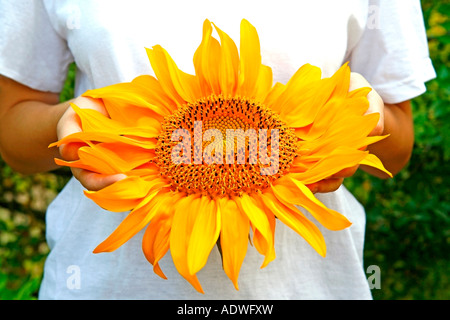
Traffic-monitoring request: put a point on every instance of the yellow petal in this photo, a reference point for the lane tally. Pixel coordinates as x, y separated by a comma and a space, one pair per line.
183, 220
154, 93
88, 137
174, 82
233, 238
250, 59
264, 83
124, 194
261, 224
229, 64
207, 61
112, 158
303, 104
131, 116
129, 93
155, 242
339, 159
204, 235
291, 191
305, 96
295, 219
273, 95
134, 222
305, 75
261, 244
373, 161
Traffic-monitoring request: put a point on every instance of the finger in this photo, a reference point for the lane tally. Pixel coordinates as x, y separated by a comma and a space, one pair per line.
345, 173
326, 185
376, 104
70, 123
93, 181
69, 151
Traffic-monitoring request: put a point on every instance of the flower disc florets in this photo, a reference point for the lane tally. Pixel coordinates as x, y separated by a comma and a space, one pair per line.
231, 145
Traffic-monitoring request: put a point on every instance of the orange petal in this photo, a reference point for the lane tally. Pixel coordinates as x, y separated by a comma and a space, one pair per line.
124, 194
294, 218
373, 161
261, 244
154, 93
233, 238
134, 222
131, 116
88, 137
175, 82
291, 191
204, 235
339, 159
155, 242
111, 158
261, 224
183, 220
133, 94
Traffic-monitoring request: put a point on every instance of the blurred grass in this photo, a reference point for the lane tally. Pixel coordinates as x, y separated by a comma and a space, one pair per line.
407, 217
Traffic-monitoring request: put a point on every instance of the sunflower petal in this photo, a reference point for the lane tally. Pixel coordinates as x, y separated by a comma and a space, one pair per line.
124, 194
264, 83
134, 222
179, 86
373, 161
339, 159
233, 238
260, 222
294, 219
155, 242
88, 137
112, 158
291, 191
207, 61
204, 235
131, 116
154, 93
130, 93
250, 62
229, 64
183, 219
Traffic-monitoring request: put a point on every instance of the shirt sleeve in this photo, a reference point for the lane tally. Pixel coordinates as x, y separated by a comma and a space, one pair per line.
392, 53
31, 51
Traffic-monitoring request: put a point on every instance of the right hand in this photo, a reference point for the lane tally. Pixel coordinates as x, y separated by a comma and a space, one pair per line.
69, 124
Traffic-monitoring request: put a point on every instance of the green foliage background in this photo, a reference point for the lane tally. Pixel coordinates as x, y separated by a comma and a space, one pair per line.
408, 220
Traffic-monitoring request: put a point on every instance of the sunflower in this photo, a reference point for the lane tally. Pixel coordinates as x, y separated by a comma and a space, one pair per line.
168, 134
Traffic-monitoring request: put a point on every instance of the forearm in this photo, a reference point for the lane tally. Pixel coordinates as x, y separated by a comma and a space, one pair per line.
26, 130
394, 151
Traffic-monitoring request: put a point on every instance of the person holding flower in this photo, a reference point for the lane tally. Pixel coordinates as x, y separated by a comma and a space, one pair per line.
307, 89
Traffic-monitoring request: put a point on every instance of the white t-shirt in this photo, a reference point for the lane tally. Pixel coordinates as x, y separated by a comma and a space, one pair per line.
383, 40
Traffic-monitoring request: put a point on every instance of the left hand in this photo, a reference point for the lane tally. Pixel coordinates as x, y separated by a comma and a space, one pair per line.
376, 105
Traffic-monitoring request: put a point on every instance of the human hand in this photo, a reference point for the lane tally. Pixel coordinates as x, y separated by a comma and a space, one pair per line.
68, 124
376, 105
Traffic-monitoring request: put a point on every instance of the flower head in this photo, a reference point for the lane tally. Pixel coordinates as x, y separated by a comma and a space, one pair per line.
213, 156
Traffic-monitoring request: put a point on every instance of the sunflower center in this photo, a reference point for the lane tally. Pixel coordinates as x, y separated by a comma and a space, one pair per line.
221, 146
